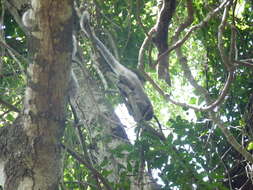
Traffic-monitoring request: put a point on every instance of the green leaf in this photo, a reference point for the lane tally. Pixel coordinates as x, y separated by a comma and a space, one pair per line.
250, 146
193, 100
10, 117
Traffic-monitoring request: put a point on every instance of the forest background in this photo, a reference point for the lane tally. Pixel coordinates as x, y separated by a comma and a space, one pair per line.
194, 59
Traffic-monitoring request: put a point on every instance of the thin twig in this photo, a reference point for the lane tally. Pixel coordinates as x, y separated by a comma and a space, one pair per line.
244, 63
91, 168
106, 17
211, 106
9, 106
77, 126
84, 184
230, 138
138, 17
3, 44
18, 62
14, 12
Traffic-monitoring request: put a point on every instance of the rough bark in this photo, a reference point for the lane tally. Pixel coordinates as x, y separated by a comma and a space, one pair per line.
29, 150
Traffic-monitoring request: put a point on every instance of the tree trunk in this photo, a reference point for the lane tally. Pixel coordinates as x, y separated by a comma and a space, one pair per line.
29, 150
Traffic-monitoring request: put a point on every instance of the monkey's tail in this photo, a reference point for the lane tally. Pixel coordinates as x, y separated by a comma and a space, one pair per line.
85, 24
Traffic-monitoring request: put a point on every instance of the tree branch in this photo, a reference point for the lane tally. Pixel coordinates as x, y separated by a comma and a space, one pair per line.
226, 132
3, 44
9, 106
87, 165
244, 63
187, 72
221, 48
14, 12
144, 45
193, 28
230, 138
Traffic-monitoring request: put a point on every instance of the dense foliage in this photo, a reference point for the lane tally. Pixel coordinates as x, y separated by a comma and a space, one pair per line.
194, 153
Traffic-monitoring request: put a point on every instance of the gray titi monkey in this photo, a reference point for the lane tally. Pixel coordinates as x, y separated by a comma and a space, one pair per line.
129, 84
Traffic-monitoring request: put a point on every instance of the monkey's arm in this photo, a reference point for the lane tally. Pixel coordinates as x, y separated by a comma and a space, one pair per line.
110, 59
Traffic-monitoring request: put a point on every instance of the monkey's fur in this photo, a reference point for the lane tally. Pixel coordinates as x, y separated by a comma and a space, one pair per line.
73, 83
128, 82
28, 19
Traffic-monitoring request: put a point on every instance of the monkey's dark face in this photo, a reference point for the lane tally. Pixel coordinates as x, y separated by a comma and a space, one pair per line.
137, 102
146, 110
141, 109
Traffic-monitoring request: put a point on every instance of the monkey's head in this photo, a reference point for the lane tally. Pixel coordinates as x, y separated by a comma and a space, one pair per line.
146, 110
137, 102
140, 111
139, 107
